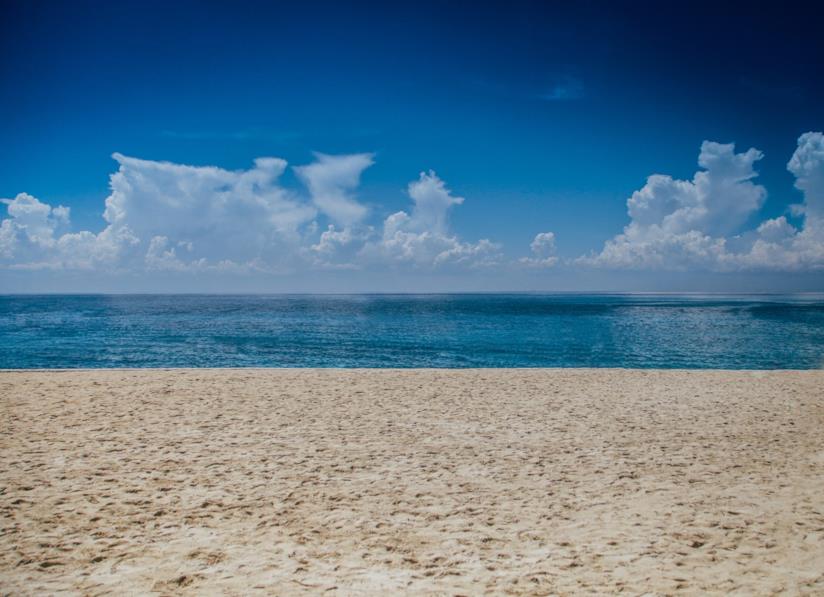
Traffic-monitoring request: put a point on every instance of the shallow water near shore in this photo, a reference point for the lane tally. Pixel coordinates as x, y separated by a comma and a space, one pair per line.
443, 330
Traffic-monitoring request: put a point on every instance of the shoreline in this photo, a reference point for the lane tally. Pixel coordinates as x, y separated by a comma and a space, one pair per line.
528, 481
400, 369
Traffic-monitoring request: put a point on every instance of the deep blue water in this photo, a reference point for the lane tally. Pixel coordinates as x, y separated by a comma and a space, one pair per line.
486, 330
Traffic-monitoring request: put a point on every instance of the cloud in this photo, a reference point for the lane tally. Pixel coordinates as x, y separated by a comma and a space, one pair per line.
331, 180
717, 200
30, 223
338, 248
162, 216
161, 256
678, 224
241, 217
543, 251
807, 164
432, 201
35, 236
422, 237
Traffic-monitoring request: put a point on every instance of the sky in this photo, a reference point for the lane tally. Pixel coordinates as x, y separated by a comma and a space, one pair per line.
446, 146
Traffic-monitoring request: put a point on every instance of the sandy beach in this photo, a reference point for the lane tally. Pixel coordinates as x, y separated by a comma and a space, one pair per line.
511, 481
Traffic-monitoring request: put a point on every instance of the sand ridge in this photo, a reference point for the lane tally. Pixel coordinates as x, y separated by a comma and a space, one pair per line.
529, 481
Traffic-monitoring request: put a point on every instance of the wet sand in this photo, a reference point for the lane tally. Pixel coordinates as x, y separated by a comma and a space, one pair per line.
288, 482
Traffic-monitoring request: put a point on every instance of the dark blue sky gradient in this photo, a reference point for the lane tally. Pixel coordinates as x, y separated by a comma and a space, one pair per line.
460, 87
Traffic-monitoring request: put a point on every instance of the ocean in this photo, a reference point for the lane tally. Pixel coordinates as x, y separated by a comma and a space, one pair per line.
432, 330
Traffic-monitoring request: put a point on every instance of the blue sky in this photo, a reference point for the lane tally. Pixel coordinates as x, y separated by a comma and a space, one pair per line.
544, 117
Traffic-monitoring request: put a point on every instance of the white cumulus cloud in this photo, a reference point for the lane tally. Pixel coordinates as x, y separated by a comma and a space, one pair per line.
162, 216
331, 179
35, 236
219, 215
422, 238
30, 225
543, 251
338, 248
807, 164
696, 224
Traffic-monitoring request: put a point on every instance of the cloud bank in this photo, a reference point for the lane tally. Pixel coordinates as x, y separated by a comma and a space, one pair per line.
165, 216
161, 216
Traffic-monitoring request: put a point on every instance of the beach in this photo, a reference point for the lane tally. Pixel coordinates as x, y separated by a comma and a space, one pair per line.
500, 481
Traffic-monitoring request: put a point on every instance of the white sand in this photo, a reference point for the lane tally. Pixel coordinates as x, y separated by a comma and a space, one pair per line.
449, 482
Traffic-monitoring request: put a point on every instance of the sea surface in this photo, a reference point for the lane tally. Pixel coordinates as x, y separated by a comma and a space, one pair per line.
434, 330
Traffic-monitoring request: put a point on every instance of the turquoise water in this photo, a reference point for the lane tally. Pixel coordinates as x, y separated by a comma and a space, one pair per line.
485, 330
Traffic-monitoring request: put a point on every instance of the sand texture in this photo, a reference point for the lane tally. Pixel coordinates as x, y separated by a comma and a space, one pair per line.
285, 482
